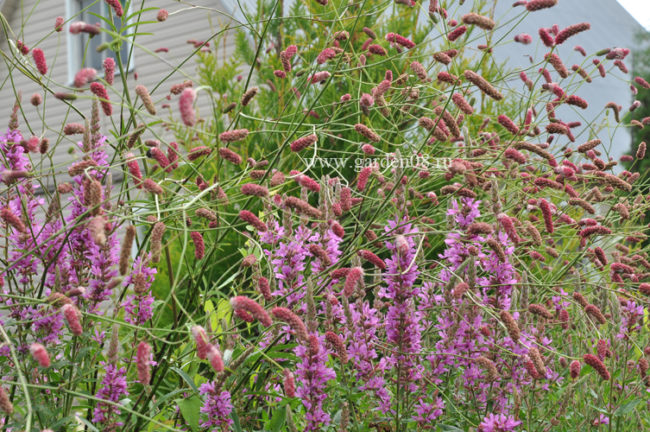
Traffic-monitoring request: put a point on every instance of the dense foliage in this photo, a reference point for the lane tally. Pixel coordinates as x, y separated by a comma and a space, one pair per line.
359, 221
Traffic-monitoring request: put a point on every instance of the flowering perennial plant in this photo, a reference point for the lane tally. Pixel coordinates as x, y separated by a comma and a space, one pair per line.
194, 266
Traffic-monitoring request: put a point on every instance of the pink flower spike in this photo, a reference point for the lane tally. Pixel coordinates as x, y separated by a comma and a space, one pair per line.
325, 55
362, 178
39, 59
400, 40
571, 31
535, 5
202, 342
117, 7
547, 214
456, 33
214, 357
352, 279
294, 322
319, 77
643, 83
58, 23
199, 246
523, 38
84, 76
372, 258
253, 220
162, 15
73, 317
100, 91
185, 105
546, 37
109, 70
505, 121
252, 307
40, 354
289, 383
308, 183
304, 142
143, 363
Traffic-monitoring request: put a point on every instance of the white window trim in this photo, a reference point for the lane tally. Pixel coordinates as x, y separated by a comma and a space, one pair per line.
74, 41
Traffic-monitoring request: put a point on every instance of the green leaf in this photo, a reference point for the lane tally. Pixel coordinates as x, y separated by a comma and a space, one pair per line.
625, 409
87, 423
278, 419
236, 424
186, 378
190, 410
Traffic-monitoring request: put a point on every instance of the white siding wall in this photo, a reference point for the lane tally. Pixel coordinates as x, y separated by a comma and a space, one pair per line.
33, 21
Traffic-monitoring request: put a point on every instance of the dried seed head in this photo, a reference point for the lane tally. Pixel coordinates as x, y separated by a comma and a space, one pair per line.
97, 230
574, 369
538, 362
595, 312
482, 84
511, 325
540, 310
157, 233
481, 21
5, 402
490, 368
249, 95
153, 187
144, 95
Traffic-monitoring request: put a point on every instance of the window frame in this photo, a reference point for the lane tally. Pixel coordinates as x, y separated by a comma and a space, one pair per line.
75, 46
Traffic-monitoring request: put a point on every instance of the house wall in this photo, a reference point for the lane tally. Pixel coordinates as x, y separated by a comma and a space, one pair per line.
32, 21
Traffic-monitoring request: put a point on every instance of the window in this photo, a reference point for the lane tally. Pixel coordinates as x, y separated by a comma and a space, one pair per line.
82, 47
